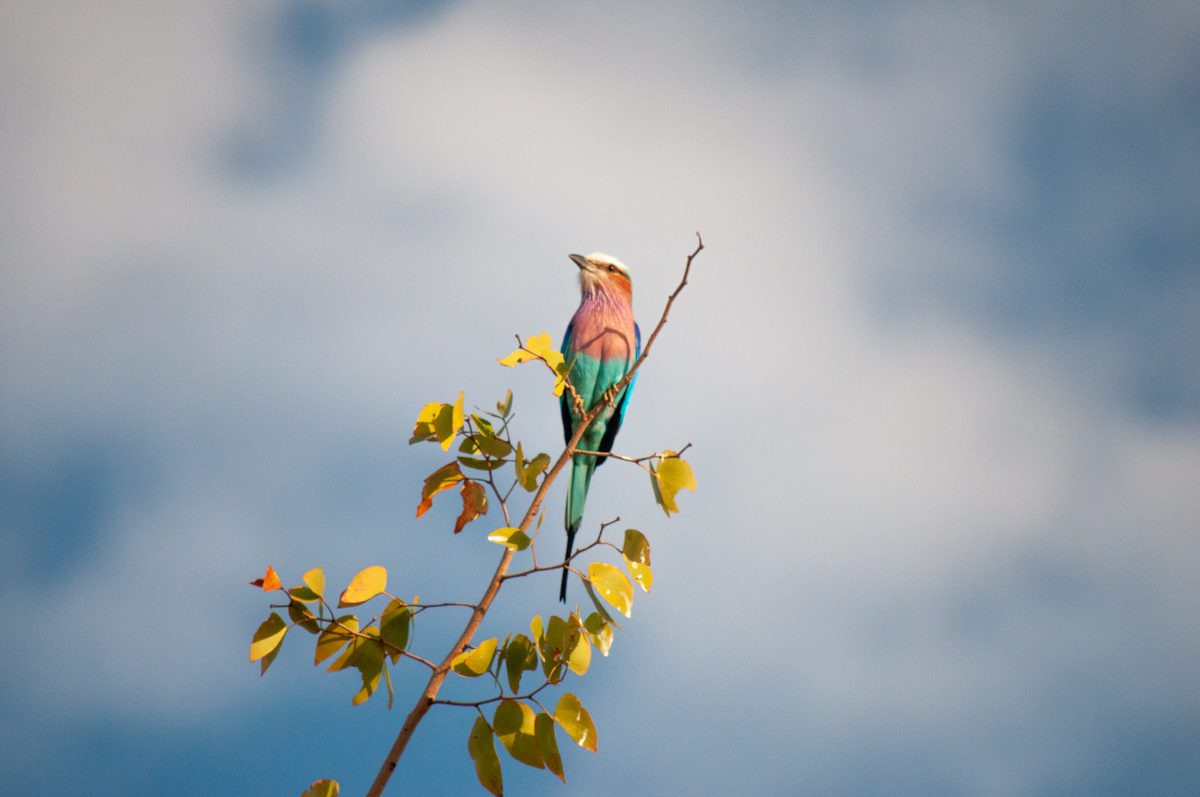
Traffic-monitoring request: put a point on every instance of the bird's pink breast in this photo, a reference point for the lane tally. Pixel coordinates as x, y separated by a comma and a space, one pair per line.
603, 330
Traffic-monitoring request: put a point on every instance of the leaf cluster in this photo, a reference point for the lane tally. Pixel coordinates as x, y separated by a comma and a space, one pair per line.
488, 467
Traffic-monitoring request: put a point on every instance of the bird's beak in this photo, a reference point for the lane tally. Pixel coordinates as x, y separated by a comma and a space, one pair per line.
580, 260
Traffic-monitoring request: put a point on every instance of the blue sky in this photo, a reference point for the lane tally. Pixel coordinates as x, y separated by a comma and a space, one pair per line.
938, 366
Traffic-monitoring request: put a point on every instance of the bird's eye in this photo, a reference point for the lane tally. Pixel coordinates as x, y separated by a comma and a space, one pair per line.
612, 268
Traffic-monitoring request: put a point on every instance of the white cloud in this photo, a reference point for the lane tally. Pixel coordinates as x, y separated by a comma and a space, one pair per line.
881, 488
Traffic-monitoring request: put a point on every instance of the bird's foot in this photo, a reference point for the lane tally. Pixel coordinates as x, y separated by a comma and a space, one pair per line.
610, 396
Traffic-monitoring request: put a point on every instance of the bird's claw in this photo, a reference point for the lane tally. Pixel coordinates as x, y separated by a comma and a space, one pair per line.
610, 396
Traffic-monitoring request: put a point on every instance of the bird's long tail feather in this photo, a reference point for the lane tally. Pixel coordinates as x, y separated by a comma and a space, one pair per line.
581, 478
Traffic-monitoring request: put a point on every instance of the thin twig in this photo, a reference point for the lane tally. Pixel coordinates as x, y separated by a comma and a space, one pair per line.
497, 699
566, 563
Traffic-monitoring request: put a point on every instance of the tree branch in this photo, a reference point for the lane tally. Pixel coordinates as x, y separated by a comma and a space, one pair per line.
429, 694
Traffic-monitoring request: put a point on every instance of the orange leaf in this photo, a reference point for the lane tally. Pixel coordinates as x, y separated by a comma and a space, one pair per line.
443, 478
475, 503
268, 582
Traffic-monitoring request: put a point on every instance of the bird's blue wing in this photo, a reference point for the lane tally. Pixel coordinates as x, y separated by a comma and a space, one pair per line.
614, 424
563, 402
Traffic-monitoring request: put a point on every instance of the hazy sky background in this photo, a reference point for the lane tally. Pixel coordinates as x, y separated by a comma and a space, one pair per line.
938, 365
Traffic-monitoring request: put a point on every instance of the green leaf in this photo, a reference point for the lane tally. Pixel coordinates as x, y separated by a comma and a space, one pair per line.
534, 469
394, 627
368, 659
482, 748
636, 551
303, 617
670, 476
441, 479
514, 723
347, 658
475, 503
482, 464
303, 593
519, 464
473, 663
529, 470
575, 720
511, 538
600, 631
387, 678
484, 425
518, 658
543, 731
612, 585
366, 584
554, 649
493, 446
322, 788
332, 638
268, 637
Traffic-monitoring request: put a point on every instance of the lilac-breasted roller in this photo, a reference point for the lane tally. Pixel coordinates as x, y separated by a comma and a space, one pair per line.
600, 346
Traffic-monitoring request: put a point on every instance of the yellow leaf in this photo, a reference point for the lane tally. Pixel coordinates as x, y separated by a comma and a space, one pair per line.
322, 788
600, 632
346, 659
333, 637
560, 377
482, 748
612, 585
636, 551
537, 347
578, 647
543, 731
423, 429
671, 476
315, 579
516, 358
456, 422
473, 663
514, 723
511, 538
575, 720
599, 604
518, 657
268, 637
535, 628
541, 345
366, 584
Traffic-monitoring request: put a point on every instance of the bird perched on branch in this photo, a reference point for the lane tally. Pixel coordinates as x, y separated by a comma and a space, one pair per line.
600, 346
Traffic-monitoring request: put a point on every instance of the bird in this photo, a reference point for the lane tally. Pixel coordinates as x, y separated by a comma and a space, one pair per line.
600, 346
